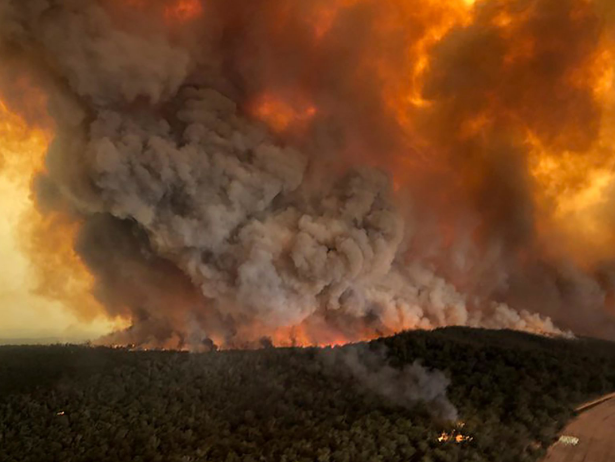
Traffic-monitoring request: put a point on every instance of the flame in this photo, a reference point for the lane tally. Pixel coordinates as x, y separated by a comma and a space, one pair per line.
455, 435
314, 331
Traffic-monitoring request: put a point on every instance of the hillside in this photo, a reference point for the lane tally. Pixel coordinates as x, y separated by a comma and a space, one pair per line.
512, 391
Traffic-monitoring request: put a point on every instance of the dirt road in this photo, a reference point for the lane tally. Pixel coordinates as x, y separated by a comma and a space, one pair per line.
595, 429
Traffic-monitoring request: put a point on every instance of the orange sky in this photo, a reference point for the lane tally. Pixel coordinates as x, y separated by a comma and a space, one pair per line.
23, 313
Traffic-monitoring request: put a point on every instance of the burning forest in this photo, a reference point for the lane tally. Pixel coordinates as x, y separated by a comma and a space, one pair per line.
212, 173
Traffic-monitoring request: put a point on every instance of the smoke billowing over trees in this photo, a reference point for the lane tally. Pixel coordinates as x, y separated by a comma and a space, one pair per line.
513, 391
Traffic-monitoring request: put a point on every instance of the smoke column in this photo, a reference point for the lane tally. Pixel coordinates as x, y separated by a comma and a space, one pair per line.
403, 387
317, 172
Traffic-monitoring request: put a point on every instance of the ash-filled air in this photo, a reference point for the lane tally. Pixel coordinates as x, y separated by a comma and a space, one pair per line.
317, 171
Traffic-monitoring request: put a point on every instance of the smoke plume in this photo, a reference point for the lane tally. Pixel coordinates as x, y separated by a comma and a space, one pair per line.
403, 387
315, 172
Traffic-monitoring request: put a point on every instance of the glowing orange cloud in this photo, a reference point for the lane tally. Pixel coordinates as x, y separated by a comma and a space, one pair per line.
281, 115
172, 11
56, 273
183, 10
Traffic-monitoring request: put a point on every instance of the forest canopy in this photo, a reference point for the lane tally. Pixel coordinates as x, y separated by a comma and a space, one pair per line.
512, 392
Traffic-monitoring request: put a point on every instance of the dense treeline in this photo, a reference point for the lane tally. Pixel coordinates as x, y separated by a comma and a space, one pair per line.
512, 390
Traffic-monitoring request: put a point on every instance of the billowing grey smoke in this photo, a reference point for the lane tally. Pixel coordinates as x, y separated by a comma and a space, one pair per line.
199, 224
403, 387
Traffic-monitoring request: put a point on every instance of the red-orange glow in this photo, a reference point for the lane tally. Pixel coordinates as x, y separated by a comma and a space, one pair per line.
473, 126
46, 240
183, 10
281, 115
574, 188
172, 11
488, 115
324, 18
19, 138
403, 88
324, 22
311, 332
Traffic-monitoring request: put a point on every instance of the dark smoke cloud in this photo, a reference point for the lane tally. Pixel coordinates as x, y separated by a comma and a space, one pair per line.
198, 223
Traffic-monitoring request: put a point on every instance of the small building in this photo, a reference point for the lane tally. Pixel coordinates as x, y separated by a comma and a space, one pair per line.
568, 440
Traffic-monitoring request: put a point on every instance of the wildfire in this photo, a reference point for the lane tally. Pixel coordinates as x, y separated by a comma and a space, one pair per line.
455, 435
455, 438
494, 118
